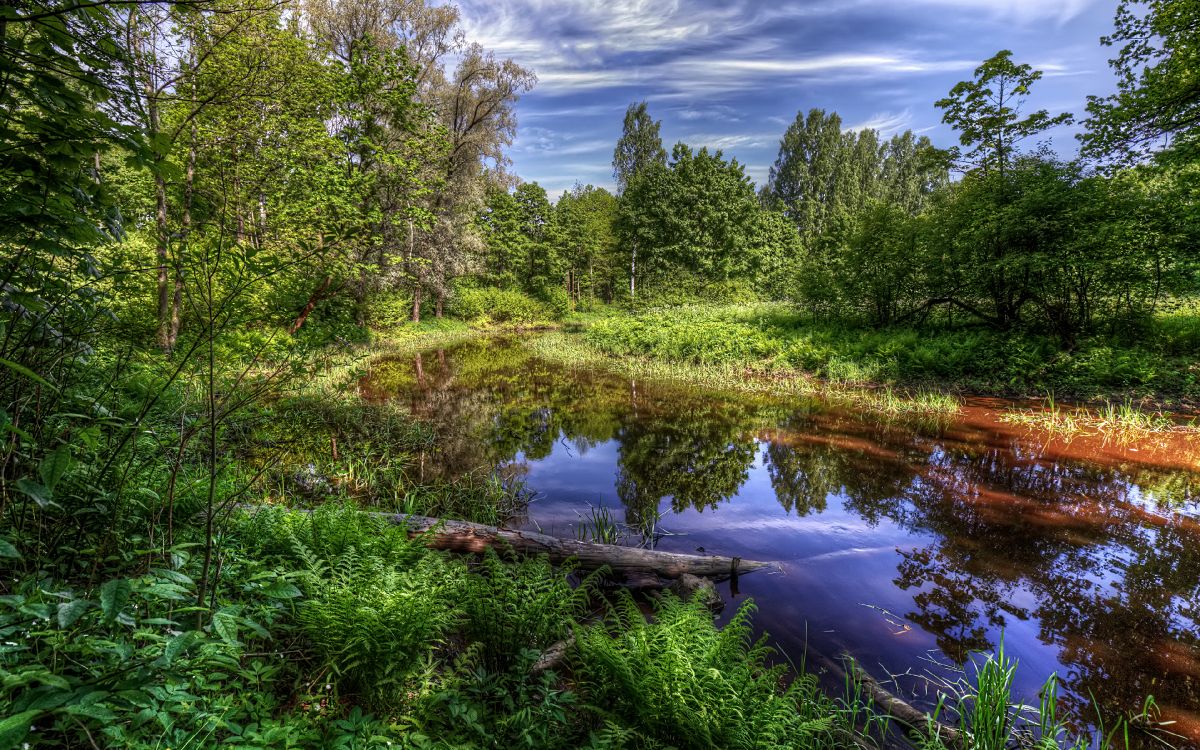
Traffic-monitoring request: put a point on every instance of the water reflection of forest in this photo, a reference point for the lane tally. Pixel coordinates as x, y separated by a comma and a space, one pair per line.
1105, 557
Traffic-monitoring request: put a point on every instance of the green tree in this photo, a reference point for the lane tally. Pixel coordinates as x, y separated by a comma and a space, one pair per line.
987, 112
1158, 83
586, 217
639, 146
639, 149
697, 217
805, 179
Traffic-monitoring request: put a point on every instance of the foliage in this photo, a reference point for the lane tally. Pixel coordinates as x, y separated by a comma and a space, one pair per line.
986, 111
1156, 96
779, 339
639, 147
679, 679
490, 305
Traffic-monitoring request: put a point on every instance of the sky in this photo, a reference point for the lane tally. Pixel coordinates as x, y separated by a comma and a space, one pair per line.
732, 75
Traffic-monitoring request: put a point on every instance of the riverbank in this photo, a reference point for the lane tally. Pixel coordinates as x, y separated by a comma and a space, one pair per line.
1159, 369
1101, 389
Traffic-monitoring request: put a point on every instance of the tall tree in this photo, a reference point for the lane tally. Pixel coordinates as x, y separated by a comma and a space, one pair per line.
586, 217
639, 147
986, 111
1158, 83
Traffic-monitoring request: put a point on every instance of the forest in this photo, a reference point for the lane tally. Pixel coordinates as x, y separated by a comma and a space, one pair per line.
232, 231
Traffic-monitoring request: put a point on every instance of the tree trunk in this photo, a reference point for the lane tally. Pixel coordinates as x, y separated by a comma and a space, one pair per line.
416, 308
437, 308
313, 299
633, 273
189, 181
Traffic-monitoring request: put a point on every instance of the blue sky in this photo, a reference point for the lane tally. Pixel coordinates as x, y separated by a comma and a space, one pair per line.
732, 75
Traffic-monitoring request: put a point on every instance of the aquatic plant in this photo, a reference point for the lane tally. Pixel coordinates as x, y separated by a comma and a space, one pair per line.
1123, 422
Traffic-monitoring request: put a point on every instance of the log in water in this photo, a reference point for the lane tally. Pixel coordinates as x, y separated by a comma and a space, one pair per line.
464, 536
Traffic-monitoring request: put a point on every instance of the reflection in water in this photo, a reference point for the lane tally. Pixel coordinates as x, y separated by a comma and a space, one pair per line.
1086, 561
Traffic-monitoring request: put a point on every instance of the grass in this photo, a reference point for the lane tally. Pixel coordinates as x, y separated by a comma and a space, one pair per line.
1124, 423
576, 350
1160, 363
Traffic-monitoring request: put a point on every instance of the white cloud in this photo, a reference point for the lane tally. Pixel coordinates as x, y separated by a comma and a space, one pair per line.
730, 141
885, 123
1020, 11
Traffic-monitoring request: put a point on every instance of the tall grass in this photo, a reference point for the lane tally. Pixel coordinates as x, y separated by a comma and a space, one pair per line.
781, 340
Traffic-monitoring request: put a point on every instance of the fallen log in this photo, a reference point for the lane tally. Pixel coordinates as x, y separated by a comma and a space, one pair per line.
901, 710
464, 536
633, 563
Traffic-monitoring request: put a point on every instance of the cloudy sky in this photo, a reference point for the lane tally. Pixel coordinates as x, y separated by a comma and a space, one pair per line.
733, 74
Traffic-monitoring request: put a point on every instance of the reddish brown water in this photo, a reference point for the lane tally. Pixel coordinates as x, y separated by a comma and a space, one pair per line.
910, 547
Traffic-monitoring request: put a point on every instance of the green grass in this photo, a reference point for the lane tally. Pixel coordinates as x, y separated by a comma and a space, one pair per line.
578, 350
1124, 423
1161, 363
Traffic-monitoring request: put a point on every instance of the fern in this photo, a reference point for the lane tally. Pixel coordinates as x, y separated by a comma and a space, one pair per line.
687, 684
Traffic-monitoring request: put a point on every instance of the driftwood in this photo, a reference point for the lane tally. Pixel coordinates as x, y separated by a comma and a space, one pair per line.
552, 657
903, 711
464, 536
642, 568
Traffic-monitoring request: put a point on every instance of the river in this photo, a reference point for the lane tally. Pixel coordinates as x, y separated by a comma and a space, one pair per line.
910, 546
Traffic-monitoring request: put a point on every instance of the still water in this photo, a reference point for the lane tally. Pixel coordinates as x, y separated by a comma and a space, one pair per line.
908, 546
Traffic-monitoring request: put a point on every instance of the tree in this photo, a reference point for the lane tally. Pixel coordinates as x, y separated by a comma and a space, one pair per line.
697, 218
476, 107
987, 112
639, 147
586, 217
804, 180
1157, 102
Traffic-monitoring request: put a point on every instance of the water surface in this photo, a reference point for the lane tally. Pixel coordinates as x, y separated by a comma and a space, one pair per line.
907, 546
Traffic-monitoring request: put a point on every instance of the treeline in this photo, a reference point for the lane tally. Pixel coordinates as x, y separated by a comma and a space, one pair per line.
998, 231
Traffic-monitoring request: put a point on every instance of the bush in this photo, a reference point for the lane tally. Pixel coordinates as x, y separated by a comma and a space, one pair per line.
486, 304
389, 309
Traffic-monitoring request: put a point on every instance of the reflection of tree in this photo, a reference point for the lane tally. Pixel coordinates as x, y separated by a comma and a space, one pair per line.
1114, 587
698, 463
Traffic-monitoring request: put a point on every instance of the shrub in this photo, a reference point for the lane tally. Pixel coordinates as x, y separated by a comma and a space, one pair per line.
498, 306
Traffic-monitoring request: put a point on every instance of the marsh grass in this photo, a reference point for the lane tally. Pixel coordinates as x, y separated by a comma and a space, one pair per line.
1123, 423
322, 440
981, 704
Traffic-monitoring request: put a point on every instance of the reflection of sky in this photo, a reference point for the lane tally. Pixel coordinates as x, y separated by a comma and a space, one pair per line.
835, 590
731, 74
982, 528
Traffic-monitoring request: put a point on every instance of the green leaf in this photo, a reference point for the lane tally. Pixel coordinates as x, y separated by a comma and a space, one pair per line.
23, 370
224, 624
114, 595
177, 646
281, 590
94, 711
39, 494
14, 728
69, 612
55, 465
8, 550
